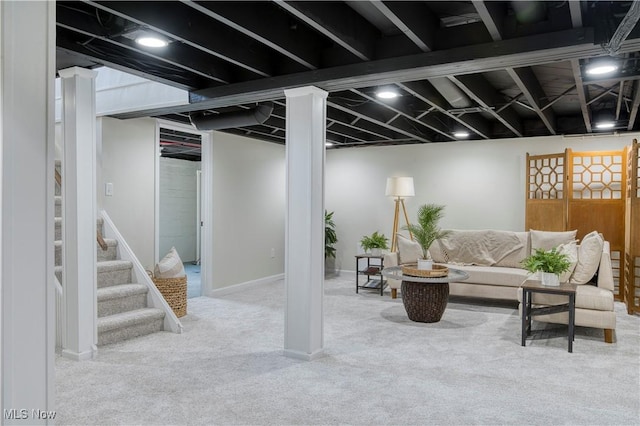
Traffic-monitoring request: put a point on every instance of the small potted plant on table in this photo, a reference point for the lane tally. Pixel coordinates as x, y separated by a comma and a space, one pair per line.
550, 264
374, 243
426, 231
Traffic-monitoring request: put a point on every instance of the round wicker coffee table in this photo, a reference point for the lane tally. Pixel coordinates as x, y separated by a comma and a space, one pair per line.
425, 299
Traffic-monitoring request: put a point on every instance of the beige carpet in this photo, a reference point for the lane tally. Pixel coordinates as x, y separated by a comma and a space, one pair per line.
380, 368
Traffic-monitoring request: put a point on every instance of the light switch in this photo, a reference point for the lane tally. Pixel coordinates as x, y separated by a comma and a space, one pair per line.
108, 189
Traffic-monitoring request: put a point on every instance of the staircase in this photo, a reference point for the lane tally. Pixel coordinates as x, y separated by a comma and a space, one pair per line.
123, 312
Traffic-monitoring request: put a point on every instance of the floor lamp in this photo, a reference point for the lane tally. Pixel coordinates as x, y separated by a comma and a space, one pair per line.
400, 188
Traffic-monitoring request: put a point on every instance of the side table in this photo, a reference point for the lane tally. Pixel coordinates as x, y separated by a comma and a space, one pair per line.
371, 270
530, 287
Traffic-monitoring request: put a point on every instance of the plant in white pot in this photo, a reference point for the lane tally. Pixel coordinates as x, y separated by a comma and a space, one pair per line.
426, 231
375, 243
550, 264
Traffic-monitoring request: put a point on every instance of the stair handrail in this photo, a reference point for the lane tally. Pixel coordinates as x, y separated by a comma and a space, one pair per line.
154, 297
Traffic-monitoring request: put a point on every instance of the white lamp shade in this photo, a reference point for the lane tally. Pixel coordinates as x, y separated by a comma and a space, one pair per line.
400, 187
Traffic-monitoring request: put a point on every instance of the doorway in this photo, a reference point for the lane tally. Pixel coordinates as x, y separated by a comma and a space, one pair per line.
179, 218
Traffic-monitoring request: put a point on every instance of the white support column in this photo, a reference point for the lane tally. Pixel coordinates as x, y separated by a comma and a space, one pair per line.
304, 239
27, 298
79, 212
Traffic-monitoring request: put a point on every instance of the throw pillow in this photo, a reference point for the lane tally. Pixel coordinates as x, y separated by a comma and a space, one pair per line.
408, 251
436, 253
546, 240
589, 254
170, 266
571, 250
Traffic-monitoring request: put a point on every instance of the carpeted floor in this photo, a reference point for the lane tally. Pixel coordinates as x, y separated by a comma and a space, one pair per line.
380, 368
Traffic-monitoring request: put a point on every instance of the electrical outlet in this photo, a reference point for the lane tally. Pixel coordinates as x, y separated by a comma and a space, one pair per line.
273, 253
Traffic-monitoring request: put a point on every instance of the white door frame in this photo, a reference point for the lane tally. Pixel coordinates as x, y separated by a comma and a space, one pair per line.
206, 247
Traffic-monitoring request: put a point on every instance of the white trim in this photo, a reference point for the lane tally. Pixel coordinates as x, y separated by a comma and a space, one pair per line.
236, 288
303, 355
156, 195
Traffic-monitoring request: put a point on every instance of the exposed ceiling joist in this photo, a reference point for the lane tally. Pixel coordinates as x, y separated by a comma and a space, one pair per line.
339, 23
530, 86
492, 14
477, 88
194, 31
577, 75
262, 23
413, 19
634, 106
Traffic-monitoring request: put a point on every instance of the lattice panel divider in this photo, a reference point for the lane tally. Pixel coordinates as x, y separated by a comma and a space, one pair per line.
545, 189
596, 196
632, 237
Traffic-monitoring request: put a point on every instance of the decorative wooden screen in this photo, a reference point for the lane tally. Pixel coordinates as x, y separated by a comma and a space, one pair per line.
545, 205
632, 239
582, 191
596, 201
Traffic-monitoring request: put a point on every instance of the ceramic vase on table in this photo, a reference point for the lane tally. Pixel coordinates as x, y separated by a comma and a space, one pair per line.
549, 279
425, 264
376, 252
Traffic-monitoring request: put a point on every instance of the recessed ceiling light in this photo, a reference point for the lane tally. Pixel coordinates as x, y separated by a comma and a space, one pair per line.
151, 41
605, 125
328, 144
386, 94
461, 134
601, 68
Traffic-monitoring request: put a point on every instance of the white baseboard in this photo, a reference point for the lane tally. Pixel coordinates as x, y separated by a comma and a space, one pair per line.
218, 292
80, 356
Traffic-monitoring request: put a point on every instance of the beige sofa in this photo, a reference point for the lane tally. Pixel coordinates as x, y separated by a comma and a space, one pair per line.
492, 258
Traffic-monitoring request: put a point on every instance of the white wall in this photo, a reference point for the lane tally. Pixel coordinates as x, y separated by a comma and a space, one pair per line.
481, 183
178, 207
128, 161
248, 209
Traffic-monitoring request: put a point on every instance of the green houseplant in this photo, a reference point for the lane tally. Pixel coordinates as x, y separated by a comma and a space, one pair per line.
330, 237
551, 263
375, 241
426, 231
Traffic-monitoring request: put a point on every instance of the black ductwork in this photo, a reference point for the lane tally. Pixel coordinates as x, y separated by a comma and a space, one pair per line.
228, 120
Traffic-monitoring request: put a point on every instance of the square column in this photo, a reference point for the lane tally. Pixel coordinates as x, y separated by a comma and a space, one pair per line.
27, 289
304, 227
79, 279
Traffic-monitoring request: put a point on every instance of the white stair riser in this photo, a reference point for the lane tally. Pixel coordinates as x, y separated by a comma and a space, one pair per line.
121, 304
110, 254
111, 278
117, 335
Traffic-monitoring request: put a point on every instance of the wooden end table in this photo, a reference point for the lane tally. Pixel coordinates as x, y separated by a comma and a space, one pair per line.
530, 287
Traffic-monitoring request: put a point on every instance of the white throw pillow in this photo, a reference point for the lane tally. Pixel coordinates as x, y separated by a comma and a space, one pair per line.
546, 240
408, 251
170, 266
571, 250
589, 254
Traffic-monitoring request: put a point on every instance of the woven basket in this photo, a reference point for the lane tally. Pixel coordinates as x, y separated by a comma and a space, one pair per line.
174, 291
437, 271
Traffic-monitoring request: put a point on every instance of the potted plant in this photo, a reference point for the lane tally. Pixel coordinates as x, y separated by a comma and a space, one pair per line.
551, 263
426, 231
375, 243
330, 237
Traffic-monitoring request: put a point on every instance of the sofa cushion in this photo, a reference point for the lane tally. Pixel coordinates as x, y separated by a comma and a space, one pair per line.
571, 250
546, 240
514, 259
436, 253
493, 275
587, 297
589, 254
408, 251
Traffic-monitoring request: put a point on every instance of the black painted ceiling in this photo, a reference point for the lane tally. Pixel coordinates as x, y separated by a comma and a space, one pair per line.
497, 69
